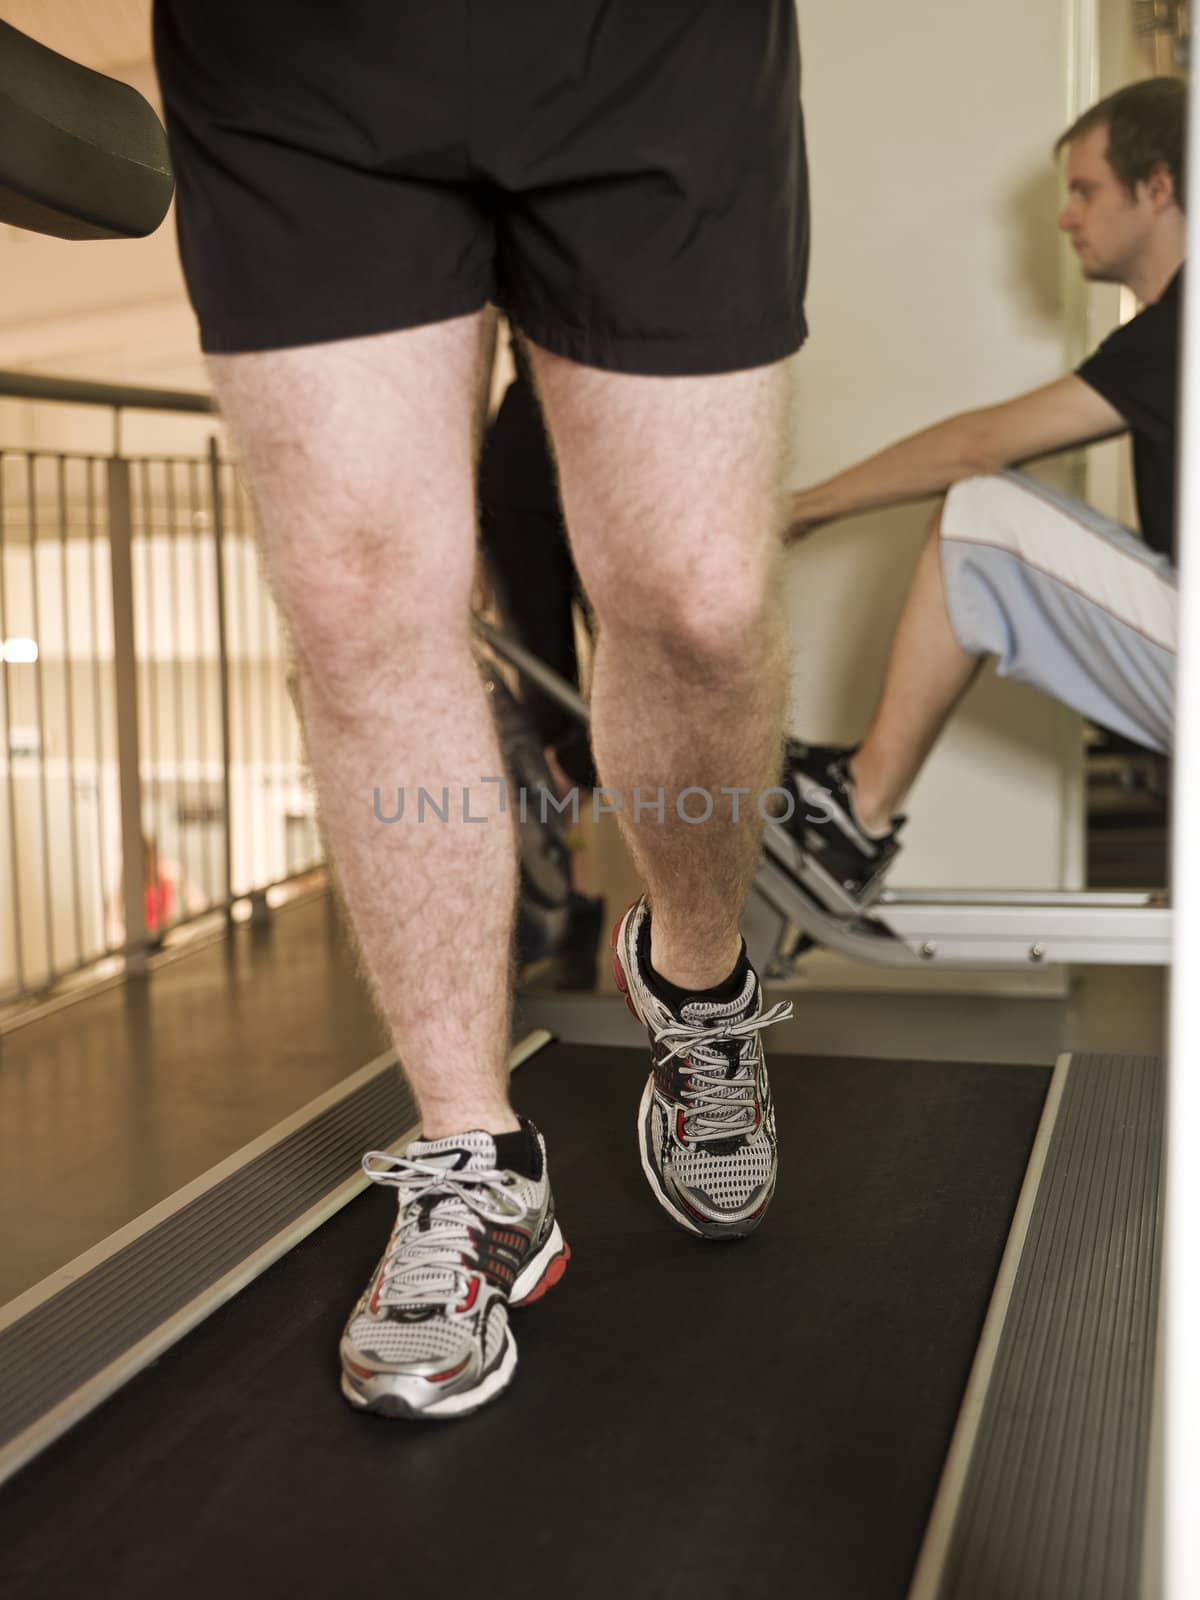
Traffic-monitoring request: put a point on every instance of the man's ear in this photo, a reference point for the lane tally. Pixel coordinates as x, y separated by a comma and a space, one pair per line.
1159, 187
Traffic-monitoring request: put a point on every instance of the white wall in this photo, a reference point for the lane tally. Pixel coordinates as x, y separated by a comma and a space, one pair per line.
935, 286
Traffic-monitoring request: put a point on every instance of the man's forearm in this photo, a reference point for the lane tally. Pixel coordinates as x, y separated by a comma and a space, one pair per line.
921, 465
1058, 416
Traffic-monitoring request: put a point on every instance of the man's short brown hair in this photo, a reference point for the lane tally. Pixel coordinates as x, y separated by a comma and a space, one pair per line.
1147, 128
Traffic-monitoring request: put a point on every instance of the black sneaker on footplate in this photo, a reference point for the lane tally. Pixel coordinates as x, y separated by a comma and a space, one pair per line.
706, 1125
824, 833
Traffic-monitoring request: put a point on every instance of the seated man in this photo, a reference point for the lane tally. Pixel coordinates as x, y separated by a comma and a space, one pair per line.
1063, 597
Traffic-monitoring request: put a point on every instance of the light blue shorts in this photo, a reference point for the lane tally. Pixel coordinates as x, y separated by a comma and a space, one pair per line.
1065, 599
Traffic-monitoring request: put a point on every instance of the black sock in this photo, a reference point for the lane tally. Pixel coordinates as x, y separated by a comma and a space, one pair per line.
519, 1152
676, 997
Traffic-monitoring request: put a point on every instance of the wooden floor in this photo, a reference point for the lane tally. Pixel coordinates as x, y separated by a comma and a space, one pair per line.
116, 1101
113, 1103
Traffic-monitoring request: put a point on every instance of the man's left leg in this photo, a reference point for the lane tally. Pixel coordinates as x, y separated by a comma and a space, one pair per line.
672, 493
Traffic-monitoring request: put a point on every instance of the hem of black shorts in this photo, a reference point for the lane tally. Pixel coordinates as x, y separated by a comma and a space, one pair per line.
663, 355
232, 340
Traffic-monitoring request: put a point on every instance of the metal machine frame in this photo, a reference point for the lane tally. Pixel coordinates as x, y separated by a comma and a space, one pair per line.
916, 928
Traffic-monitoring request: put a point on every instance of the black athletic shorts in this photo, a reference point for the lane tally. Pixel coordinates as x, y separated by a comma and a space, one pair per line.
626, 179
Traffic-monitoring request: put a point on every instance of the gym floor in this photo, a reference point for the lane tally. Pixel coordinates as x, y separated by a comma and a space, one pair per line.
112, 1103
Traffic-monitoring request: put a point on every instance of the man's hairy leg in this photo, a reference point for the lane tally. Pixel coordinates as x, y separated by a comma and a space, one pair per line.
360, 456
928, 672
671, 491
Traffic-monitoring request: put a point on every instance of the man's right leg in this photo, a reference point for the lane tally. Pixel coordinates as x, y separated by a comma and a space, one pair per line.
1064, 599
845, 815
928, 672
361, 460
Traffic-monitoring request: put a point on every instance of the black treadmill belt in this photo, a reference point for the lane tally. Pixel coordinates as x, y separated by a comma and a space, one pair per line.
688, 1419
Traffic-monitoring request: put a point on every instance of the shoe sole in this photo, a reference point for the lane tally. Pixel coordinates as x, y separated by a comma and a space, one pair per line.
391, 1395
542, 1271
810, 871
388, 1396
786, 848
719, 1230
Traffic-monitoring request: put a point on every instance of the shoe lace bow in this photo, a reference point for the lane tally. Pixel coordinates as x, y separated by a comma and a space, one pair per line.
427, 1261
719, 1105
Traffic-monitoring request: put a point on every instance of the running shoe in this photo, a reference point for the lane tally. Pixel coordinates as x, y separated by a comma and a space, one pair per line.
706, 1125
430, 1335
823, 831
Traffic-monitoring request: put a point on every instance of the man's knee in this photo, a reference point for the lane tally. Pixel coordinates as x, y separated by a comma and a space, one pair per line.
937, 522
966, 501
364, 612
708, 622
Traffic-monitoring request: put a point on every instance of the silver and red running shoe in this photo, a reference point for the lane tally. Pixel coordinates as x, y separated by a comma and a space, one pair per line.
706, 1125
430, 1335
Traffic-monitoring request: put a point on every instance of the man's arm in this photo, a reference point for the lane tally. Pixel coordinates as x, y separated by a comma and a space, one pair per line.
1057, 417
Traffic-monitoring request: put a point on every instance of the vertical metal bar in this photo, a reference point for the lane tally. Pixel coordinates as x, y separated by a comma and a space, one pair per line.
68, 662
201, 660
218, 526
1181, 1339
277, 727
97, 700
39, 690
252, 812
150, 652
182, 788
279, 724
120, 537
270, 789
6, 689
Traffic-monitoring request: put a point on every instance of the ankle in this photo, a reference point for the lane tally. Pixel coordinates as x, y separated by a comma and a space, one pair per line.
690, 975
455, 1120
873, 807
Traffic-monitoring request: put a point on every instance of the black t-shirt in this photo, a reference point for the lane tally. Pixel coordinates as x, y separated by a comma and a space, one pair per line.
1136, 369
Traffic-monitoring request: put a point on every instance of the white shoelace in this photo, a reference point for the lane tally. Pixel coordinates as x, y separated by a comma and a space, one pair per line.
415, 1252
716, 1111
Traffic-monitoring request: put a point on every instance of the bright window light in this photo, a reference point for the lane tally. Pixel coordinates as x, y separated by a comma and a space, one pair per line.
19, 649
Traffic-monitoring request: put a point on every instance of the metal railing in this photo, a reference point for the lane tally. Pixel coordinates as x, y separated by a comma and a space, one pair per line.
151, 763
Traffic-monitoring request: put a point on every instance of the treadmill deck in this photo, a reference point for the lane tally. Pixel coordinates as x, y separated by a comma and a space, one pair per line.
687, 1419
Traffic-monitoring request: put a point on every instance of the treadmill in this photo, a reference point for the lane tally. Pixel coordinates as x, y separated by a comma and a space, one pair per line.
930, 1375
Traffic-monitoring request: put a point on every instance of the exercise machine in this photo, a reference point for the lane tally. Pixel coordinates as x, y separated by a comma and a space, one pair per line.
915, 928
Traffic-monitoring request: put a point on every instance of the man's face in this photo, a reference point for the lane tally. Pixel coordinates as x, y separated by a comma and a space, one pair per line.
1106, 224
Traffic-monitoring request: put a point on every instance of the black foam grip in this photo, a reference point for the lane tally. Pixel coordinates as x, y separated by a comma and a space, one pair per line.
81, 155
